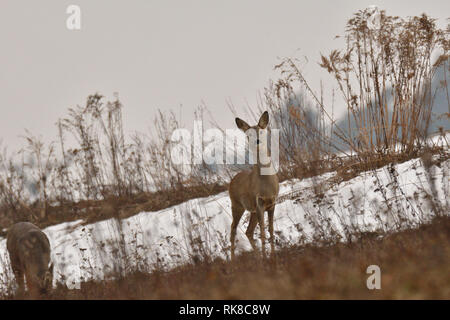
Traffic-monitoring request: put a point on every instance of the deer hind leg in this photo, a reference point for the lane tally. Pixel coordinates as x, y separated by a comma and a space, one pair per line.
251, 229
270, 214
237, 211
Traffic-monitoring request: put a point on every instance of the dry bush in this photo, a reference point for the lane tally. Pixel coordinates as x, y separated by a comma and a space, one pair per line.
385, 77
48, 184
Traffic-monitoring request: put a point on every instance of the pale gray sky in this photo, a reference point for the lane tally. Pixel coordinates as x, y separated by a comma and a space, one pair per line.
161, 54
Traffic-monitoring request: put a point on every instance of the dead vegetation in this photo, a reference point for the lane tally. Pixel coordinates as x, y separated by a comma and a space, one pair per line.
93, 171
384, 76
414, 265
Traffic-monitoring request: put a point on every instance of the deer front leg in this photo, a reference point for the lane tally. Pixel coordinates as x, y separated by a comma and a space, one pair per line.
251, 229
260, 216
270, 214
237, 211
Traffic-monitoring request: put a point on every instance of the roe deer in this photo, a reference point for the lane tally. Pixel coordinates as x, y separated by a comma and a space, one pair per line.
255, 190
29, 252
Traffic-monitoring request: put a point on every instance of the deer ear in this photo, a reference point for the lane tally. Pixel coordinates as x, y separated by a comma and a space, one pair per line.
28, 243
241, 124
264, 120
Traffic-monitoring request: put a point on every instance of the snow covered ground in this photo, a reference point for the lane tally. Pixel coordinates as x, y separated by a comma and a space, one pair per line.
376, 200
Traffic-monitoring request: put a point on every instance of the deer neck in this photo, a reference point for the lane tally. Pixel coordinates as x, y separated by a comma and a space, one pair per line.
264, 181
263, 170
262, 158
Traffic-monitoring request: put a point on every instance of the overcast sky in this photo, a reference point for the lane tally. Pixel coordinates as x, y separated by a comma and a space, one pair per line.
161, 54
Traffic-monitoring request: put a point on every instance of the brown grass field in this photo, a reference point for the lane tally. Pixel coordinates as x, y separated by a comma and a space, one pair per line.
414, 265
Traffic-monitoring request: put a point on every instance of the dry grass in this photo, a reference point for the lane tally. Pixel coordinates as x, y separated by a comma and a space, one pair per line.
384, 78
102, 175
414, 265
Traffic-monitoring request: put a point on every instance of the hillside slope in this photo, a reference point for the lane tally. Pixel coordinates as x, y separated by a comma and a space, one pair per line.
310, 211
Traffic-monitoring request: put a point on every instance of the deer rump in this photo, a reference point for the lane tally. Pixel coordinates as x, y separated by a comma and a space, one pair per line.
29, 252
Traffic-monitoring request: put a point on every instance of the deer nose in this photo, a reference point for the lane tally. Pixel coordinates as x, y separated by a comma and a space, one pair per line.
257, 141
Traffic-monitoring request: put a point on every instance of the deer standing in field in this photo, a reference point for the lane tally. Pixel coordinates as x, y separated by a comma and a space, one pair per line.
29, 252
256, 190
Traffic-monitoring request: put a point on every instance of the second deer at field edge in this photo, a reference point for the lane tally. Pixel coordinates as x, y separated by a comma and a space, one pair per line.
256, 190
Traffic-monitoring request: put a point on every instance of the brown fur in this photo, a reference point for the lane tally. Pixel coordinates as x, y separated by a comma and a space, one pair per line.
254, 192
29, 252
